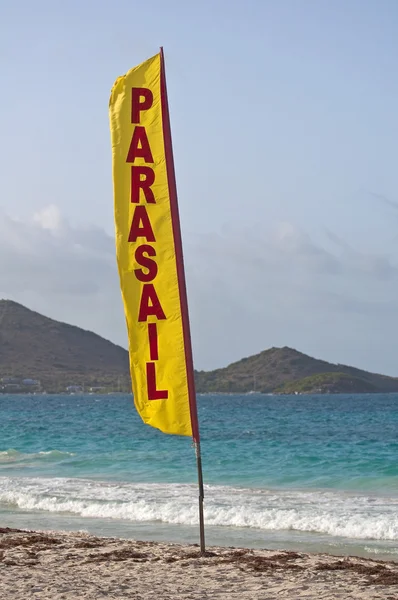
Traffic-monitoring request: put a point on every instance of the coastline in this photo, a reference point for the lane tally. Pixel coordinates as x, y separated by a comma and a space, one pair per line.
61, 566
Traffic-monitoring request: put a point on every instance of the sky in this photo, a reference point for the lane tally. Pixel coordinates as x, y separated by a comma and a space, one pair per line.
285, 132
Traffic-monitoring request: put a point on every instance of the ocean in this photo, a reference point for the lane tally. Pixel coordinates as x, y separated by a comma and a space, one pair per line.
309, 473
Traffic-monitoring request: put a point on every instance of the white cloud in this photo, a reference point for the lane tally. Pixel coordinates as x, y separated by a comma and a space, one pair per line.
46, 254
250, 291
68, 273
49, 218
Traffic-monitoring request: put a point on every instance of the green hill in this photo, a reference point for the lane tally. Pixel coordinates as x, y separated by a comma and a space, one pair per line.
285, 370
59, 355
328, 383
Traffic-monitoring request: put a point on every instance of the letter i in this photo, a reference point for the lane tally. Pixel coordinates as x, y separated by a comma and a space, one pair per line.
153, 341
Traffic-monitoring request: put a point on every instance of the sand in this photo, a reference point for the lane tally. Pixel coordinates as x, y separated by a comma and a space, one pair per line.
75, 565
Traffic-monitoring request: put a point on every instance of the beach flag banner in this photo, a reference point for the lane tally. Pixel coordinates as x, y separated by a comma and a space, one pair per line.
149, 256
149, 251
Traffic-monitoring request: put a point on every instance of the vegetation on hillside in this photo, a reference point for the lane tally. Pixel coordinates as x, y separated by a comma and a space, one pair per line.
60, 355
57, 354
327, 383
285, 369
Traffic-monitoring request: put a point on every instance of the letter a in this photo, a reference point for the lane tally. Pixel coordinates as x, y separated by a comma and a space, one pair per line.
141, 226
150, 304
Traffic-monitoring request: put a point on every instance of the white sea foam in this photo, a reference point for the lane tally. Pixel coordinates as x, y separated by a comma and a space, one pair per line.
11, 455
332, 513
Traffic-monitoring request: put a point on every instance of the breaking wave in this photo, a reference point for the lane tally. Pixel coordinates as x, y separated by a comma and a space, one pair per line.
336, 514
14, 456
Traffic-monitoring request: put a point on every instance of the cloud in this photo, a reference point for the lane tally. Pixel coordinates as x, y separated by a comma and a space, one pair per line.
379, 266
69, 273
281, 287
46, 254
387, 201
248, 289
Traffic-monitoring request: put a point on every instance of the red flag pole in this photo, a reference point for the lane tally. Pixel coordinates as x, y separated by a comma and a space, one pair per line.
183, 291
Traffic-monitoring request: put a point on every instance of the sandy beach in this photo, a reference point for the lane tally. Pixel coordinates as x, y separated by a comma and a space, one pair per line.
60, 565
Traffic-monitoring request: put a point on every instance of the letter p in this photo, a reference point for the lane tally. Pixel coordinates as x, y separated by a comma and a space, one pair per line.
141, 99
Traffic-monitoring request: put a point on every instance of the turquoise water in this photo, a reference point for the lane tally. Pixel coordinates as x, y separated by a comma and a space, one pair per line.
305, 472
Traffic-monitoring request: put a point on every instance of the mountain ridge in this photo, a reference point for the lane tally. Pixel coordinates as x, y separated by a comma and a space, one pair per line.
32, 345
285, 369
58, 354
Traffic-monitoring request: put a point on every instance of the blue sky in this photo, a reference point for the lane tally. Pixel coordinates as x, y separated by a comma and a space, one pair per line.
285, 131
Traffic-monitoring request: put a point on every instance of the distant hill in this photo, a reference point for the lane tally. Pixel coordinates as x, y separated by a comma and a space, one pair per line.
285, 370
59, 355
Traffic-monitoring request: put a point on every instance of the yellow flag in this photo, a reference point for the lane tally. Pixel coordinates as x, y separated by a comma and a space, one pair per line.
149, 250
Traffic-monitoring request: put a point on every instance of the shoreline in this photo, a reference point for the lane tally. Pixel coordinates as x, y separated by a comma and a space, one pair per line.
60, 565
